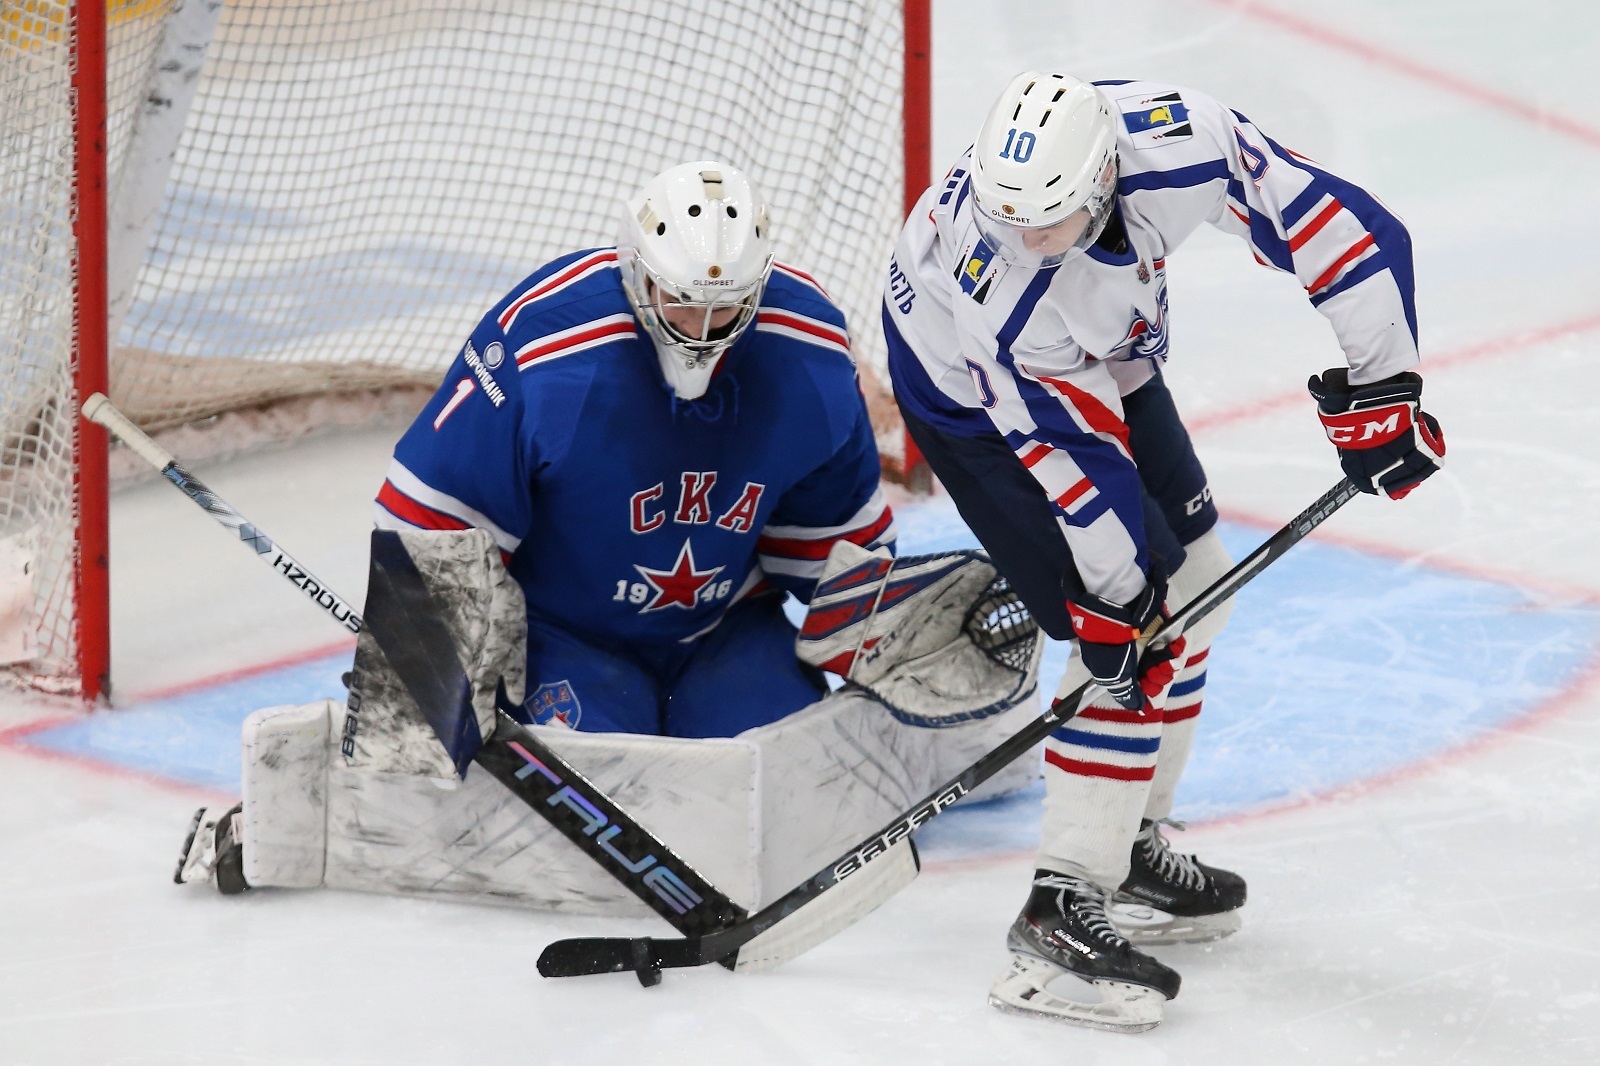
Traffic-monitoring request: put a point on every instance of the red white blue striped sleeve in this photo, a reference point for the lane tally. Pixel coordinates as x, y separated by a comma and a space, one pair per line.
1351, 254
406, 502
797, 551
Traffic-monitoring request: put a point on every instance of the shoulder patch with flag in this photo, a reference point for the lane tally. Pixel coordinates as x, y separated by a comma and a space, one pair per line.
978, 269
1156, 120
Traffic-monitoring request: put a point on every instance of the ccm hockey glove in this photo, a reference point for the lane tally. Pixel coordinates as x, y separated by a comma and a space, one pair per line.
1386, 442
1108, 640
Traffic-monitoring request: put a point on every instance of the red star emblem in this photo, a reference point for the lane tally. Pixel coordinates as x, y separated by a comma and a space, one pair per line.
680, 586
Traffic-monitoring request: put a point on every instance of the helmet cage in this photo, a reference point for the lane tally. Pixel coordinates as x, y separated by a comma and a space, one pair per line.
651, 293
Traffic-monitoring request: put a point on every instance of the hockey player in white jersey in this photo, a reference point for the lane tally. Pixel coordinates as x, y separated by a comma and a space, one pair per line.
1026, 318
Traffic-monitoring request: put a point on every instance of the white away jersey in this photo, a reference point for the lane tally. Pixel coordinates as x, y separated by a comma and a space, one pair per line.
1044, 356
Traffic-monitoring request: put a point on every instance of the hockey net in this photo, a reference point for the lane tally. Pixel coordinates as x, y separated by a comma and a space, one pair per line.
319, 198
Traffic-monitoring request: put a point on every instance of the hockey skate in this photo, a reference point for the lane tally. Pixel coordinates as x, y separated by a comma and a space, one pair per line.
1070, 964
1172, 898
214, 848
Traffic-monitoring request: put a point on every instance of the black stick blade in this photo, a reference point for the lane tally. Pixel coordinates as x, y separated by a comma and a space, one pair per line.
645, 956
587, 955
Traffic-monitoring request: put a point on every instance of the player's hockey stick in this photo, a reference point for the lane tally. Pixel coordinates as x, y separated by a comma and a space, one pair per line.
588, 955
527, 767
408, 629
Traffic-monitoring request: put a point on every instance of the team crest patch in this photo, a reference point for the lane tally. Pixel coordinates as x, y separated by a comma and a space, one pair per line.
555, 701
978, 269
1156, 120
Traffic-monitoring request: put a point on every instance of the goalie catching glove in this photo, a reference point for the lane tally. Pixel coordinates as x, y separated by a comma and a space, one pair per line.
1387, 443
1108, 642
939, 640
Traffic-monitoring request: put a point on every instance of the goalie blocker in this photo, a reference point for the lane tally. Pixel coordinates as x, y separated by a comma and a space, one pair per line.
942, 665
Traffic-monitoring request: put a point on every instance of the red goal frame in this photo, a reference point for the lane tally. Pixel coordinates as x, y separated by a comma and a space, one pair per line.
91, 340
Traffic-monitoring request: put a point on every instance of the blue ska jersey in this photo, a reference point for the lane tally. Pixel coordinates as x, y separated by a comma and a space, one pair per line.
1045, 356
625, 514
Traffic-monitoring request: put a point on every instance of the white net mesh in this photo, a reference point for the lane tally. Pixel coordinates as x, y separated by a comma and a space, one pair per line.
357, 181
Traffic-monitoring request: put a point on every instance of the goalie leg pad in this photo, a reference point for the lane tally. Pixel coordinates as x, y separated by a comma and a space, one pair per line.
850, 901
402, 834
287, 751
836, 771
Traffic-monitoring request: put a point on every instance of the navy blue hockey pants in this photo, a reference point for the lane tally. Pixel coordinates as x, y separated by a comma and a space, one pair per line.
1008, 510
740, 675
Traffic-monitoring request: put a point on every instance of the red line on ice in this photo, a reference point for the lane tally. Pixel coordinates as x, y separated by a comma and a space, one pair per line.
1404, 64
224, 677
1569, 698
1430, 363
16, 739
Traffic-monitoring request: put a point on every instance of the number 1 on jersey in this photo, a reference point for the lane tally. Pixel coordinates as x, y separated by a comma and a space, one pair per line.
464, 389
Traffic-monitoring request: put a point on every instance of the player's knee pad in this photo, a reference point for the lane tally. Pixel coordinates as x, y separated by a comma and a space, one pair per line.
482, 608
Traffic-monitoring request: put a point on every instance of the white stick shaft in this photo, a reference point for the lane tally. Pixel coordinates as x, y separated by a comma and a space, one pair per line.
98, 408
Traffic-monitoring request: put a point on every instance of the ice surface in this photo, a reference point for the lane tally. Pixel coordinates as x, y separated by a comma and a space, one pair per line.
1401, 746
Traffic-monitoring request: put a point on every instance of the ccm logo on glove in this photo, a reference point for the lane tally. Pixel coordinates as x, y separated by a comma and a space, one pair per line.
1387, 443
1361, 431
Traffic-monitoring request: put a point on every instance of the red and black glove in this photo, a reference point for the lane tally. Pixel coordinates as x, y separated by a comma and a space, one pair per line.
1108, 640
1386, 442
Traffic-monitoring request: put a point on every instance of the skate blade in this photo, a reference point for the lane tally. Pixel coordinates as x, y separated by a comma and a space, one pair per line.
1141, 924
199, 848
1114, 1006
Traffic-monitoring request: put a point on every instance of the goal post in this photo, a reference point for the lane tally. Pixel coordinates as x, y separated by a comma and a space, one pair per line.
91, 488
209, 208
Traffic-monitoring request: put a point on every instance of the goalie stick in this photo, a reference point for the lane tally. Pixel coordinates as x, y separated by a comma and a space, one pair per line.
528, 768
647, 955
414, 640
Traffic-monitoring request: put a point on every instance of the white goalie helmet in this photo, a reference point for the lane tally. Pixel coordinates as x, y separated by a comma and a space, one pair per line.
695, 253
1044, 174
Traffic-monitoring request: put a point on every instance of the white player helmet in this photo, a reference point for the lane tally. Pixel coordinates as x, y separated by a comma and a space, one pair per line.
695, 253
1044, 174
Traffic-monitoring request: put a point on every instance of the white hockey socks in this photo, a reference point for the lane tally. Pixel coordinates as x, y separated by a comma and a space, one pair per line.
1179, 718
1207, 560
1097, 774
1108, 767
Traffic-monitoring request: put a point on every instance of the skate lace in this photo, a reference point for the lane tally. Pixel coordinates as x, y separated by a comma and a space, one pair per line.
1086, 901
1172, 866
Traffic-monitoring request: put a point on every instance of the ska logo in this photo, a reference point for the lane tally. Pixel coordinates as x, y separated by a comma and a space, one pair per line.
555, 701
650, 509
